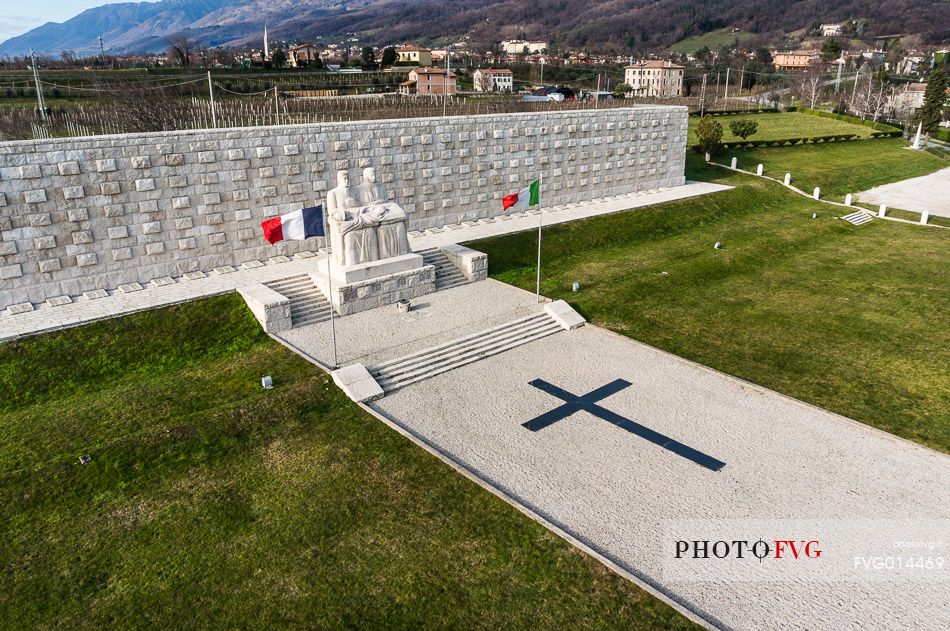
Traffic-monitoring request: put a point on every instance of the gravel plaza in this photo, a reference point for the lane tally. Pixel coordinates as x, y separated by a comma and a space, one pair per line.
622, 495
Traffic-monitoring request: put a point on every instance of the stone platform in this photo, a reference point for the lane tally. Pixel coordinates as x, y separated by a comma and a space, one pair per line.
356, 288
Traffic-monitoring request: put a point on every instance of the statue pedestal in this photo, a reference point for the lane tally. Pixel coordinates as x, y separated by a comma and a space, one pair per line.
375, 284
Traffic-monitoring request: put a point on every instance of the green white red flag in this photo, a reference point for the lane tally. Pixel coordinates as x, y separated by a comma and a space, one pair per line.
530, 196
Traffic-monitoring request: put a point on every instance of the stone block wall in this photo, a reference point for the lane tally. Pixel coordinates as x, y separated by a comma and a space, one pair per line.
80, 214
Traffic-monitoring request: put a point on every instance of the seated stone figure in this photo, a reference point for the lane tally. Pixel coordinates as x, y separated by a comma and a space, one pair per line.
391, 231
369, 191
340, 198
357, 236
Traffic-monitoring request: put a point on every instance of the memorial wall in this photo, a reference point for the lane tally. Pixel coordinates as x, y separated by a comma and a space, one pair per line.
80, 214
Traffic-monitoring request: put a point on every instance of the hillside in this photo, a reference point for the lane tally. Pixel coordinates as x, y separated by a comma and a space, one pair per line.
607, 25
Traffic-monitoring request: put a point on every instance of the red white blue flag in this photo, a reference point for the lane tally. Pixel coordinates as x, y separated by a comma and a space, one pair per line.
300, 224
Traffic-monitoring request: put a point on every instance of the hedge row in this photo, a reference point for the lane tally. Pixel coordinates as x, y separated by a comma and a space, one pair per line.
942, 134
852, 119
763, 110
785, 142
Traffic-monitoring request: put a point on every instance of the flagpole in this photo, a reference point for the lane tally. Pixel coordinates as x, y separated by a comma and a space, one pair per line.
540, 221
326, 237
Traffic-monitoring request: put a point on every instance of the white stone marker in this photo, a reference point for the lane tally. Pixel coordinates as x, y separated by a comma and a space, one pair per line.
817, 193
882, 210
847, 199
708, 157
924, 216
758, 169
735, 162
788, 179
916, 144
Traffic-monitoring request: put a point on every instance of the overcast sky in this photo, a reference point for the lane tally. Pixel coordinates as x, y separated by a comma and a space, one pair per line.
19, 16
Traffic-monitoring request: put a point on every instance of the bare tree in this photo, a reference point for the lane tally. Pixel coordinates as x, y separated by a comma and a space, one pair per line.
871, 97
810, 86
485, 82
182, 48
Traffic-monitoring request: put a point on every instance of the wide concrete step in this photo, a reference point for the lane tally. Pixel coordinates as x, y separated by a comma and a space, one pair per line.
398, 373
446, 273
473, 350
308, 305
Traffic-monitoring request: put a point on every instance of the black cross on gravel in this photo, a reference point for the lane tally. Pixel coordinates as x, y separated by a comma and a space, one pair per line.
588, 403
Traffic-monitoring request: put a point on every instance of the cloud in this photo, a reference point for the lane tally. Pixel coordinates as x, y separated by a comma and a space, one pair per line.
13, 25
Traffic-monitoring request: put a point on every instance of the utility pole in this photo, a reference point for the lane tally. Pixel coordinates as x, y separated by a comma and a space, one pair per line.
854, 90
741, 79
726, 98
214, 114
102, 51
717, 86
445, 83
838, 79
542, 71
597, 93
702, 98
40, 103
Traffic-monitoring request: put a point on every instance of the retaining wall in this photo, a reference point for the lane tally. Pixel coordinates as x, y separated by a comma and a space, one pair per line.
81, 214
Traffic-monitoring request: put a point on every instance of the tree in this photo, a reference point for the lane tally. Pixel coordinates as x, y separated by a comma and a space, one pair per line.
709, 135
743, 128
368, 56
935, 99
389, 56
278, 58
810, 86
871, 96
182, 48
830, 50
485, 83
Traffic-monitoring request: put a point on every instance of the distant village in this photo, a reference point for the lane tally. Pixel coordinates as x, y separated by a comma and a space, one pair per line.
830, 50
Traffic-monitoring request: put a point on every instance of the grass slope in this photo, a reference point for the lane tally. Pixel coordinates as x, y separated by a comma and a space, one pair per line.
778, 125
853, 319
211, 503
840, 168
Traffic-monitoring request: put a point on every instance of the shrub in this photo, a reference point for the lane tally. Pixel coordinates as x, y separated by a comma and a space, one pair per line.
709, 135
743, 128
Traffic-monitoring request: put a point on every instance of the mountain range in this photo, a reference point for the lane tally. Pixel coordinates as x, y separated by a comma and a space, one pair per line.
602, 25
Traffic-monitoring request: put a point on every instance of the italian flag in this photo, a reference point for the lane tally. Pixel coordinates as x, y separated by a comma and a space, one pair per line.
300, 224
530, 196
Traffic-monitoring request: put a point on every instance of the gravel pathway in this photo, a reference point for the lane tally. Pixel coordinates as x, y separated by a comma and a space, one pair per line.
928, 192
793, 472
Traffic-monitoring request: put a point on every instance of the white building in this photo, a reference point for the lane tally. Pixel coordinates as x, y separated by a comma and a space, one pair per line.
832, 30
905, 102
518, 46
655, 78
493, 80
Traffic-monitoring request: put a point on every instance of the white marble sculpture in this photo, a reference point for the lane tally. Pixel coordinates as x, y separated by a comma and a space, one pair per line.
363, 226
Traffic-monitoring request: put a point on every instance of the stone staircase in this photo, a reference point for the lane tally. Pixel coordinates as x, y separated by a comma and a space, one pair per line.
858, 217
308, 305
446, 273
398, 373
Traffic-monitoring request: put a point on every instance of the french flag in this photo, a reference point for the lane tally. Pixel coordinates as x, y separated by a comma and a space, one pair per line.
300, 224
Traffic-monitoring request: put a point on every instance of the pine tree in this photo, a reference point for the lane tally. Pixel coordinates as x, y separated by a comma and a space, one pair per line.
935, 97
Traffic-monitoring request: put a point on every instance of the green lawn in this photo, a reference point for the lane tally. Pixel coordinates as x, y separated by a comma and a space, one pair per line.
853, 319
778, 125
840, 168
713, 39
212, 503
